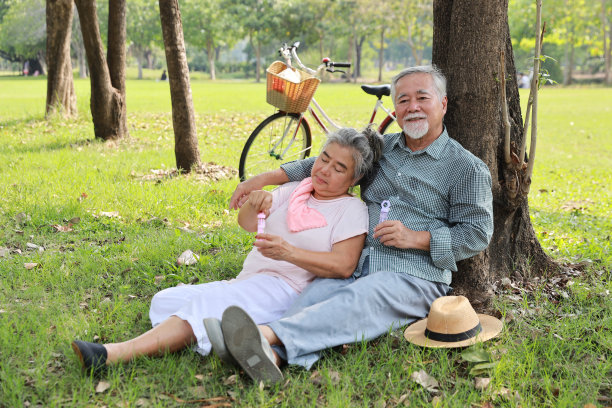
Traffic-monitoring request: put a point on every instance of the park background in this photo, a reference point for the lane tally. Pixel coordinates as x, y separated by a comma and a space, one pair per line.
91, 230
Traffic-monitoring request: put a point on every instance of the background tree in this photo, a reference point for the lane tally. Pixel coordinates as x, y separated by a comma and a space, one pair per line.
143, 31
183, 117
22, 33
61, 97
208, 25
606, 28
466, 45
383, 17
415, 25
260, 20
108, 109
77, 45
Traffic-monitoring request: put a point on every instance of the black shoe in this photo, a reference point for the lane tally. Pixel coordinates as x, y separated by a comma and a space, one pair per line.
92, 356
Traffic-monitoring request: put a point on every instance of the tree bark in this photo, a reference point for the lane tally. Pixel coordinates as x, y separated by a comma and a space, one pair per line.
381, 52
61, 97
183, 117
606, 44
107, 79
466, 46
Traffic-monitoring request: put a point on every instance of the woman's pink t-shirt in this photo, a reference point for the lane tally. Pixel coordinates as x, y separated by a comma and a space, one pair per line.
346, 217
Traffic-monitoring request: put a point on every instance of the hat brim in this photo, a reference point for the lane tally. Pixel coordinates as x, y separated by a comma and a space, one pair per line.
491, 327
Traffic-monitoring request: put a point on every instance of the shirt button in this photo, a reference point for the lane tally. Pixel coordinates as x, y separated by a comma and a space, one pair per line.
399, 174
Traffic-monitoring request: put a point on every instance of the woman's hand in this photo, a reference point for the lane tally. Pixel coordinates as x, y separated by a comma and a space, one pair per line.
273, 247
270, 178
241, 193
260, 200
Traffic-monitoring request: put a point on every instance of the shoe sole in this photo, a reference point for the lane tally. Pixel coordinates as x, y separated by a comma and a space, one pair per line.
244, 342
215, 336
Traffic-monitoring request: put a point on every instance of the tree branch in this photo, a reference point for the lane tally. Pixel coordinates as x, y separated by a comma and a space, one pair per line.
535, 83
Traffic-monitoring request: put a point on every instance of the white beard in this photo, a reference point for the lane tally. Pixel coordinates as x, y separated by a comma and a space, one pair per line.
415, 130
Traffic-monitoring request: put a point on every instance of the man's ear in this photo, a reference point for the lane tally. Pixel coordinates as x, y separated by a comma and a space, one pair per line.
444, 103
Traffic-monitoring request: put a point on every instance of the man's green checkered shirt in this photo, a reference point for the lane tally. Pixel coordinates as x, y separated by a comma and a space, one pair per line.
443, 189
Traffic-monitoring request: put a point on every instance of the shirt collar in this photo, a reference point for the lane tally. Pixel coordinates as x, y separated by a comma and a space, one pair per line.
434, 150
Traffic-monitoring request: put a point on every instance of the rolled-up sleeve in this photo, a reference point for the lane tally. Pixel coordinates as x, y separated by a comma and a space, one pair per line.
470, 220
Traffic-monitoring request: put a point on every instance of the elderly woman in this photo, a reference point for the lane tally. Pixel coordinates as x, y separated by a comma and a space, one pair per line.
314, 228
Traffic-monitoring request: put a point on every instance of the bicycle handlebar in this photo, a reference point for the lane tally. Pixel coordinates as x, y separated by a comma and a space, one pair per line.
340, 64
288, 52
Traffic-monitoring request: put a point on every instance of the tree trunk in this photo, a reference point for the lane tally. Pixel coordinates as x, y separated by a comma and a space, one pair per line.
465, 44
107, 79
139, 58
381, 52
258, 61
210, 54
116, 55
183, 117
358, 48
606, 42
61, 97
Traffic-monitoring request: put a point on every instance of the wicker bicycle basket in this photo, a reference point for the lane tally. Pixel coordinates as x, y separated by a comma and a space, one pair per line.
286, 95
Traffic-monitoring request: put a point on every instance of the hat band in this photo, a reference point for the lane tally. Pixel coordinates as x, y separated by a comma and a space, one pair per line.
449, 338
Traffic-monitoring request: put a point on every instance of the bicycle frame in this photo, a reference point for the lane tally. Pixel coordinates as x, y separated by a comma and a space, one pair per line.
313, 113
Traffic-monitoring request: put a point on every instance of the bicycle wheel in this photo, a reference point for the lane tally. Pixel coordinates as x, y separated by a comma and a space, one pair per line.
278, 139
389, 126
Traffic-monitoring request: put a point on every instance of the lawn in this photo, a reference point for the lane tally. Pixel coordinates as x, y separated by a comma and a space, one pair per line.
92, 230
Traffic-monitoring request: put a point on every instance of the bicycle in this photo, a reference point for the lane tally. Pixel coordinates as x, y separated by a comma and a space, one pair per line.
286, 135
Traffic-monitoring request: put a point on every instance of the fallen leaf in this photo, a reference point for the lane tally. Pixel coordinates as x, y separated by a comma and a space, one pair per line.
30, 265
159, 279
199, 377
82, 196
30, 245
102, 386
231, 380
74, 220
481, 383
62, 228
474, 355
187, 258
4, 252
197, 391
110, 214
21, 218
436, 401
425, 380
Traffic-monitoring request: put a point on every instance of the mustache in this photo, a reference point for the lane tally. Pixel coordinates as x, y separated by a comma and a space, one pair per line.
415, 116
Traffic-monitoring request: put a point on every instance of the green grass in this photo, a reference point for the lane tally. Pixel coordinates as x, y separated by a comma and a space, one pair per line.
97, 280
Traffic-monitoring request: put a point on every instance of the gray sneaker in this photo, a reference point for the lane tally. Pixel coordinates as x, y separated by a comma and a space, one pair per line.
215, 336
248, 346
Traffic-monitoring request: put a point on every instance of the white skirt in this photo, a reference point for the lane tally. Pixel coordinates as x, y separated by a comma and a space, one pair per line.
265, 298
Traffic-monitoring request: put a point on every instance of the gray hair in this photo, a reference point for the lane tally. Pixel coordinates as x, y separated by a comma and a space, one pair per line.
439, 79
366, 146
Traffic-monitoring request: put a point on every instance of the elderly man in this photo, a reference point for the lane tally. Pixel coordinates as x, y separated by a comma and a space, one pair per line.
440, 212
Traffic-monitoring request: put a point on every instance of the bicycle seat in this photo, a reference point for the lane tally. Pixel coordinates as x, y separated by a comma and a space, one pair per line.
377, 90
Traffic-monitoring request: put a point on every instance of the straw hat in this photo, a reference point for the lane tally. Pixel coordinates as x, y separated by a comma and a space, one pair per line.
452, 322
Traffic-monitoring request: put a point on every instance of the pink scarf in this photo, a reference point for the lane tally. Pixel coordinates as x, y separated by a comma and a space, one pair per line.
300, 217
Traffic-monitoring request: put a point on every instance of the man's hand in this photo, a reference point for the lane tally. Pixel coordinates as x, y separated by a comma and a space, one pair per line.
260, 200
273, 246
394, 233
